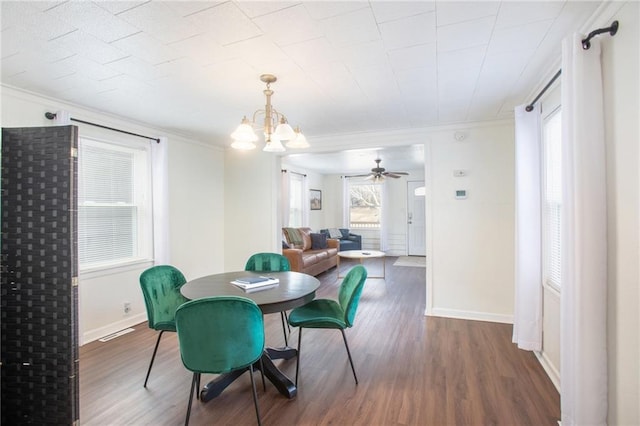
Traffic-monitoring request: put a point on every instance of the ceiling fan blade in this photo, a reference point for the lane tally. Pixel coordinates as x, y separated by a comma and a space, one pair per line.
392, 175
398, 173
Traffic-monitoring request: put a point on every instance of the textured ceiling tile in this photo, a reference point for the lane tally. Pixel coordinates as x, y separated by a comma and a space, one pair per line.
519, 13
454, 12
13, 13
254, 9
136, 68
289, 26
391, 11
371, 53
351, 28
93, 20
329, 9
420, 56
40, 26
159, 21
527, 37
118, 6
225, 22
418, 29
147, 48
465, 34
89, 46
203, 49
307, 53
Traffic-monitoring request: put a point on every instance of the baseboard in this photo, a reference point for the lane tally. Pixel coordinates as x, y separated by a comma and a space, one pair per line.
470, 315
97, 333
549, 368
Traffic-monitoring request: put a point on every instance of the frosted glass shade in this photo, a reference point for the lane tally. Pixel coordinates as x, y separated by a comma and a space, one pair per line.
273, 145
244, 132
300, 141
284, 132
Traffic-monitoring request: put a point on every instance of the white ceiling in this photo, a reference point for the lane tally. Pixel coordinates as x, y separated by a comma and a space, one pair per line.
193, 67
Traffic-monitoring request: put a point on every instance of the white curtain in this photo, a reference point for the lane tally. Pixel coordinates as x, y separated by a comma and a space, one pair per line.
346, 202
527, 322
285, 198
384, 216
306, 201
160, 189
583, 315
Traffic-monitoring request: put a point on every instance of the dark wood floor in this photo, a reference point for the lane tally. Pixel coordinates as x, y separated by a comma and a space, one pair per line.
413, 370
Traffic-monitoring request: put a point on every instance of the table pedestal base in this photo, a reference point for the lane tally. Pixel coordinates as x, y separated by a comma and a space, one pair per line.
284, 385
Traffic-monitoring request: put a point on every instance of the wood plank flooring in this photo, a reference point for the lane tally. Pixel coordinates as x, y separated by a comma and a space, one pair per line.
413, 370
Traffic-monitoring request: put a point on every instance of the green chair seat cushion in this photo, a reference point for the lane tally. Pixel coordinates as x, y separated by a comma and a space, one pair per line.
319, 313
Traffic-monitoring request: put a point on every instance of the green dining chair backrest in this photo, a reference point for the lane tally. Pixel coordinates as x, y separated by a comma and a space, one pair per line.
161, 290
219, 334
350, 291
267, 262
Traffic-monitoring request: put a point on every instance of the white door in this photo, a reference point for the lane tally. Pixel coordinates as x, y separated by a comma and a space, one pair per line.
416, 234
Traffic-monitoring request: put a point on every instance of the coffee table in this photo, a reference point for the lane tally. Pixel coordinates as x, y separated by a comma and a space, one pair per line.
361, 255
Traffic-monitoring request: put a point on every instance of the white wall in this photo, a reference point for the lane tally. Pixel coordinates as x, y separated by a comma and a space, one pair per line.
195, 189
470, 274
251, 204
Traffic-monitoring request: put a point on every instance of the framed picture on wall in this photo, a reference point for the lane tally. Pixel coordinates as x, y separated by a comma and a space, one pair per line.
315, 197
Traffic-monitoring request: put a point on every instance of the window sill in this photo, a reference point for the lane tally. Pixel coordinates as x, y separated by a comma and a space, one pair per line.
100, 271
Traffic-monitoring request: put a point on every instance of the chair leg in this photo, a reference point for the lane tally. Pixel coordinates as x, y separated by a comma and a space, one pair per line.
344, 336
198, 388
298, 355
194, 381
255, 395
283, 315
286, 320
153, 357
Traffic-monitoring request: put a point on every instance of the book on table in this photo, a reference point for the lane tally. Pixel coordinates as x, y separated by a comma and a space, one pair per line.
255, 282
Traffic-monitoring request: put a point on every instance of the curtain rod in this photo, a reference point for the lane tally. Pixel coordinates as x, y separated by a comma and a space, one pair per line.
295, 173
586, 44
52, 115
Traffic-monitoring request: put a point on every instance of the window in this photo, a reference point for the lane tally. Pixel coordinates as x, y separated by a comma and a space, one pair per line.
114, 204
365, 201
552, 199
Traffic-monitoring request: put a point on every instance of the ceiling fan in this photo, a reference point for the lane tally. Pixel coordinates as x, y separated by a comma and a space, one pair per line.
379, 173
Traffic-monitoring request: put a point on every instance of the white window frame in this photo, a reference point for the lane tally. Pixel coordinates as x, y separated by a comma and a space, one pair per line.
141, 200
552, 262
297, 199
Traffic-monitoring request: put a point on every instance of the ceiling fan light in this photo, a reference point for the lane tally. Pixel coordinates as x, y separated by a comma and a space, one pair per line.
284, 131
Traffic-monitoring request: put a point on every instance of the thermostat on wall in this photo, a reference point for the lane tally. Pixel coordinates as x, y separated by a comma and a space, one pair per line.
461, 194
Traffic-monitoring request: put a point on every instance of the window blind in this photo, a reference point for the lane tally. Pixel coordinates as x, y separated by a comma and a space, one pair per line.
552, 250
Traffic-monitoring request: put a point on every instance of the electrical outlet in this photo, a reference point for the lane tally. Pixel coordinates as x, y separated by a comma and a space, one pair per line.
127, 307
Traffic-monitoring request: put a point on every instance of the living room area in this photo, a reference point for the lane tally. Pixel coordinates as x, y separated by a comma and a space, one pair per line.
433, 342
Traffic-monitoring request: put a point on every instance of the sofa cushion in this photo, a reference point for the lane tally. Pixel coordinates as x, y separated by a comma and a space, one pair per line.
335, 233
318, 241
306, 238
294, 237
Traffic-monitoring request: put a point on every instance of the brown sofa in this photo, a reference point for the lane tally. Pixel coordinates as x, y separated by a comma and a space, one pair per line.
304, 258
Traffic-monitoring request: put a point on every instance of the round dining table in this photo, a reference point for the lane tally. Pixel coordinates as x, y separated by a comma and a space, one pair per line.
293, 289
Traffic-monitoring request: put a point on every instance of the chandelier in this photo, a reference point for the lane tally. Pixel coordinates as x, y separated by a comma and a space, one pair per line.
276, 129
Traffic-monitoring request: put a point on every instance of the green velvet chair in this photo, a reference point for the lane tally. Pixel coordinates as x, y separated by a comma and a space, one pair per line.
271, 262
161, 289
326, 313
219, 335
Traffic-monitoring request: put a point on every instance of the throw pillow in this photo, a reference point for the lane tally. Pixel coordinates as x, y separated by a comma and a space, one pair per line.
345, 233
294, 237
335, 233
318, 241
285, 245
